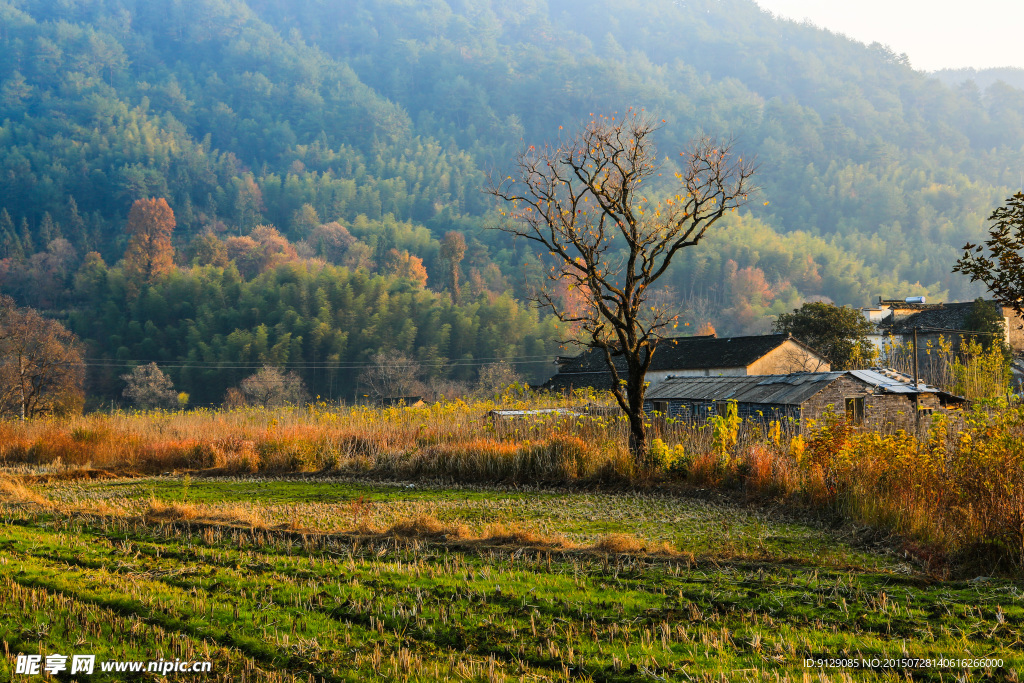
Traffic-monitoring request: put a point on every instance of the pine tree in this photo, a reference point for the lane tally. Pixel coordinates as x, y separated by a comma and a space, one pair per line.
76, 225
10, 245
26, 238
48, 230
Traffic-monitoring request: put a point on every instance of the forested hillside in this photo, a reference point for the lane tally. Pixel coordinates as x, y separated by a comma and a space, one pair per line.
982, 78
320, 155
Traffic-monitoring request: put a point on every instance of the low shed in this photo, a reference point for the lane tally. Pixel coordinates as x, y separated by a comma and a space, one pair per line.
874, 398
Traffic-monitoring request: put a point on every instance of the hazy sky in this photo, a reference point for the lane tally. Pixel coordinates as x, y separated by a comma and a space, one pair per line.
935, 34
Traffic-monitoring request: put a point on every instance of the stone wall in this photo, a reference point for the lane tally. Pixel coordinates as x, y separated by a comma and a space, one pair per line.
882, 412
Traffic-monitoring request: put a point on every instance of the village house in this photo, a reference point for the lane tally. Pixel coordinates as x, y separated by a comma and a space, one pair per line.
875, 399
706, 356
896, 320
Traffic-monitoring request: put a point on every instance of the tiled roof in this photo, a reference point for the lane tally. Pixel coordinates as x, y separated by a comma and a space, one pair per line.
589, 369
690, 353
950, 316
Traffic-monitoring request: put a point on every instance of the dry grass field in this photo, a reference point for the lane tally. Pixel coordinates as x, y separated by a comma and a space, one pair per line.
423, 544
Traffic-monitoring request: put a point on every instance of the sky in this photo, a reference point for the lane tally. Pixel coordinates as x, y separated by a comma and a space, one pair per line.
935, 34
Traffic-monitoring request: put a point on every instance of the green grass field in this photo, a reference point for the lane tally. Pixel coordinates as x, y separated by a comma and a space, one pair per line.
330, 580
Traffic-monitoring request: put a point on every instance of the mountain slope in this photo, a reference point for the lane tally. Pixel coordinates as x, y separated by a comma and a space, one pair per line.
359, 128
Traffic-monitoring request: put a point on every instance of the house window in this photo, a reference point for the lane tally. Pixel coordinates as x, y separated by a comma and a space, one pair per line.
661, 407
855, 410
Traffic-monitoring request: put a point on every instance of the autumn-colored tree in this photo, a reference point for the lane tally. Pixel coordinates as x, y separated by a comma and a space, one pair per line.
261, 250
495, 378
706, 329
331, 241
583, 202
489, 280
41, 369
404, 265
150, 254
453, 250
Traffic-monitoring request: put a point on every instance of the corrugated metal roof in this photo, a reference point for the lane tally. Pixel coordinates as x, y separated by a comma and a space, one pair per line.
529, 413
791, 389
892, 382
782, 389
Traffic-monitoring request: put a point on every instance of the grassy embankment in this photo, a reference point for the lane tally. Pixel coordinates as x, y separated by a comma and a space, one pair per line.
280, 580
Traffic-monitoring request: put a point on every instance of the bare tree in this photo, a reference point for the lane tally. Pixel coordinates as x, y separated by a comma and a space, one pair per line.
494, 378
41, 369
392, 374
583, 202
148, 387
271, 387
441, 388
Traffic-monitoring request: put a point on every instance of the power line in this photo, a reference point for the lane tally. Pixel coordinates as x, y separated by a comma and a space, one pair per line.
963, 332
103, 362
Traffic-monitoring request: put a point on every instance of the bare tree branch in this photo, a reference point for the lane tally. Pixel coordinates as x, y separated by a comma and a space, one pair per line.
582, 201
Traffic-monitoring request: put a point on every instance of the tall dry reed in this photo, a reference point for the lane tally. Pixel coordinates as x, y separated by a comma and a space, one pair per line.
959, 493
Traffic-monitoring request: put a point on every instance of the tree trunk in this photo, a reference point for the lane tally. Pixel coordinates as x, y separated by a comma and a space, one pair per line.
638, 439
21, 384
635, 391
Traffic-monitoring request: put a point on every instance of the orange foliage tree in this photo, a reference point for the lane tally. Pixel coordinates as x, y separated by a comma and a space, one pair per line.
150, 254
404, 265
261, 250
583, 202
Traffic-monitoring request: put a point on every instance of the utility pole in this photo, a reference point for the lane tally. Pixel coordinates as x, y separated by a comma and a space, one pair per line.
917, 390
916, 373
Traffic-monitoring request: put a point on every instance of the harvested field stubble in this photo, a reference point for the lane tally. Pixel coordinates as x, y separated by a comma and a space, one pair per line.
428, 600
